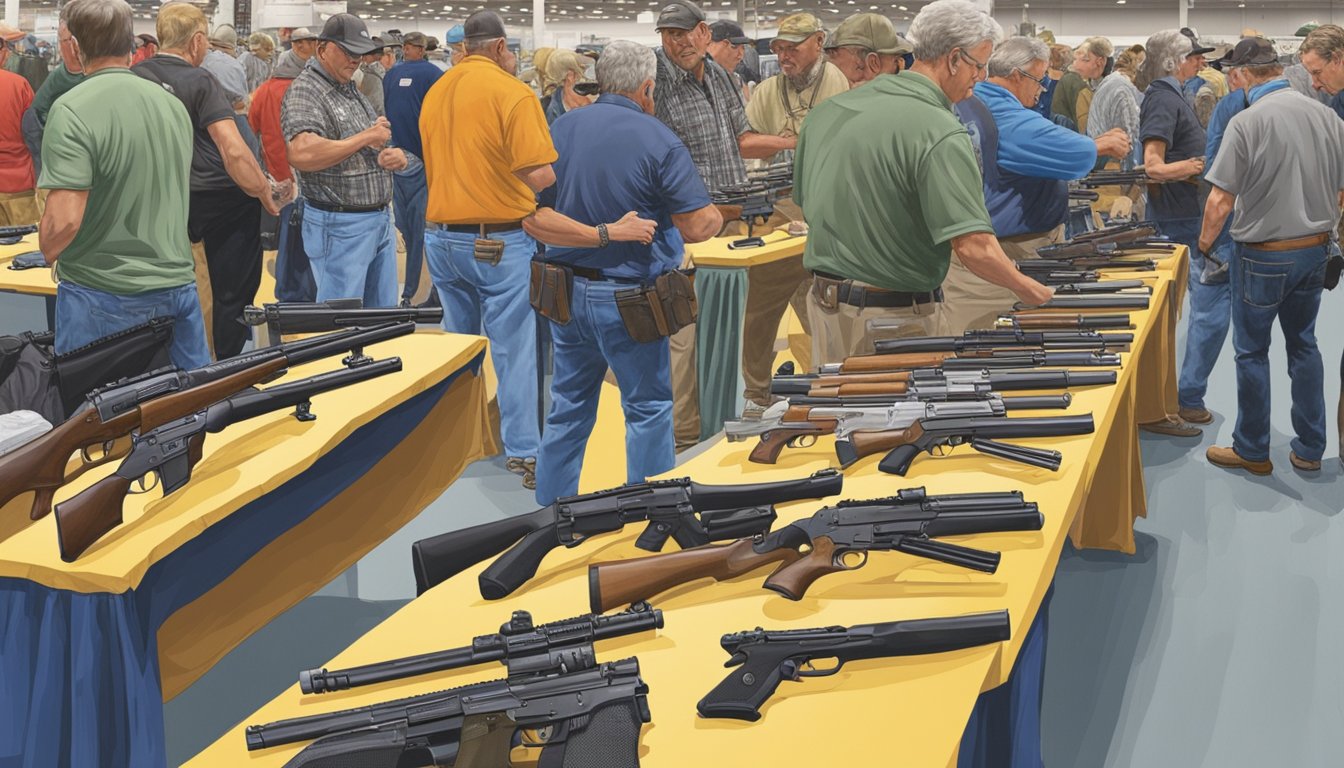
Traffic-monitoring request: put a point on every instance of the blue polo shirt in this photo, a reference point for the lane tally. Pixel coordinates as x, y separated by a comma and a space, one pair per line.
614, 159
404, 89
1165, 115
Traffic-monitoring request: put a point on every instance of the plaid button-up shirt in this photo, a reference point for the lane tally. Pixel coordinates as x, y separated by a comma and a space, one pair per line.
707, 116
318, 104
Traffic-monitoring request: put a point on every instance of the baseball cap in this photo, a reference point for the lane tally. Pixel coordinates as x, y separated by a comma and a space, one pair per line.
225, 35
1251, 52
302, 33
348, 31
483, 25
563, 61
1199, 48
147, 39
457, 34
798, 27
727, 30
869, 30
1307, 29
679, 15
415, 38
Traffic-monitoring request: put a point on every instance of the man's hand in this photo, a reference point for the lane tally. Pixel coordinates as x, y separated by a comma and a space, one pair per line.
392, 159
632, 229
1036, 294
378, 134
1114, 143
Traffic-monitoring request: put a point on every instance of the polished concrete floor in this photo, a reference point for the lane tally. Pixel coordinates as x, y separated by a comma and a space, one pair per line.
1214, 645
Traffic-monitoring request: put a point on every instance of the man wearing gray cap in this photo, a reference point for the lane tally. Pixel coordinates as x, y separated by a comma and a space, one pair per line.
303, 43
866, 45
338, 144
220, 62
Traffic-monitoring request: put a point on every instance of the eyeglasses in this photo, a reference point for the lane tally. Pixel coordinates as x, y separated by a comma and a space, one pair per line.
968, 57
1043, 82
348, 55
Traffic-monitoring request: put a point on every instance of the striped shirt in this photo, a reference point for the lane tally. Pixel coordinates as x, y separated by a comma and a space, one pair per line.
708, 117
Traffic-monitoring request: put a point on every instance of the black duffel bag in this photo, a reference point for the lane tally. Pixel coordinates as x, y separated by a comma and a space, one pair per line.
34, 378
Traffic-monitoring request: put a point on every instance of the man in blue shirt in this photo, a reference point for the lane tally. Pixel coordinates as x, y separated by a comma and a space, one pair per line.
618, 164
404, 89
1026, 161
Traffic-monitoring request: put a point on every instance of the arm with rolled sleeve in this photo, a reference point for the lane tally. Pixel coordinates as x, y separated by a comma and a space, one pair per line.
680, 185
68, 171
1228, 167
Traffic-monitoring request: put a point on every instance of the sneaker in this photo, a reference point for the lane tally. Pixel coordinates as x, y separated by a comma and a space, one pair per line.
1172, 427
527, 468
1306, 465
1195, 415
1228, 458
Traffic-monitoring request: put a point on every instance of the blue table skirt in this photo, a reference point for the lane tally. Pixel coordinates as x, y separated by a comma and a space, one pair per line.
79, 674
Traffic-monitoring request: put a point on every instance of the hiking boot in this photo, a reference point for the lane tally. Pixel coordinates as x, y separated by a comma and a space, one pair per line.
1228, 458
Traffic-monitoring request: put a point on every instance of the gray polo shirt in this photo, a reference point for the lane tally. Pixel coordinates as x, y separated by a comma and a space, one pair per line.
1283, 157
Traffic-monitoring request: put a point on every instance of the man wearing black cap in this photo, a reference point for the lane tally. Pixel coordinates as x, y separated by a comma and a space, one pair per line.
727, 46
1281, 164
338, 144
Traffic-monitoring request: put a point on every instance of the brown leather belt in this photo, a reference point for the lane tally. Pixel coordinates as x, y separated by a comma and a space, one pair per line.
480, 230
864, 296
1292, 245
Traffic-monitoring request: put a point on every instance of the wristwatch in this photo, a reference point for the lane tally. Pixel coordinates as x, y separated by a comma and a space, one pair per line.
603, 239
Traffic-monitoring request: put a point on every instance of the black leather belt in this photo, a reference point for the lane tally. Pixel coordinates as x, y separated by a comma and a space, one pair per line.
863, 296
597, 275
334, 208
479, 230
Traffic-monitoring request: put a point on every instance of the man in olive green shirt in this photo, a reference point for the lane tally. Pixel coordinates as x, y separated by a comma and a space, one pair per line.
889, 184
116, 158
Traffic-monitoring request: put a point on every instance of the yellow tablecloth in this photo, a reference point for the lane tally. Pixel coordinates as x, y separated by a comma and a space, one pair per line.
906, 711
716, 253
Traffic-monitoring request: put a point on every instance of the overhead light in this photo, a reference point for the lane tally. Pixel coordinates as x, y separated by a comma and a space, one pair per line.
902, 8
1119, 2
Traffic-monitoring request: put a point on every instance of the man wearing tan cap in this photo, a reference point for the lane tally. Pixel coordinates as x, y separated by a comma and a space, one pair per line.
805, 80
571, 73
866, 45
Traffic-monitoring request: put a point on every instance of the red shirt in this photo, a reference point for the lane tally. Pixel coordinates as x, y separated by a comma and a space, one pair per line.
264, 117
16, 165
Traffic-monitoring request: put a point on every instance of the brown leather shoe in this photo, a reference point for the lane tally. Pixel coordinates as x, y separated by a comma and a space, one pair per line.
1196, 415
1228, 458
1304, 464
1172, 427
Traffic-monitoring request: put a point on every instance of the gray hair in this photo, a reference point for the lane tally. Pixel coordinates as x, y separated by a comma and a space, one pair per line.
1017, 52
624, 66
947, 24
1097, 46
103, 28
474, 44
1164, 54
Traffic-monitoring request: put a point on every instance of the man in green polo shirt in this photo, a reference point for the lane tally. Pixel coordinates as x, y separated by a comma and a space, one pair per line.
116, 158
890, 188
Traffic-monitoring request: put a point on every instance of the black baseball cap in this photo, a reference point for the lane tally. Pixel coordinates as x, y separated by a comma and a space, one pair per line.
1199, 48
348, 31
727, 30
483, 25
1251, 52
680, 15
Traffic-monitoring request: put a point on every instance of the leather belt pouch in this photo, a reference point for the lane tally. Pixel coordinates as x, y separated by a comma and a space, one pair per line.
651, 313
1333, 268
551, 289
488, 251
827, 292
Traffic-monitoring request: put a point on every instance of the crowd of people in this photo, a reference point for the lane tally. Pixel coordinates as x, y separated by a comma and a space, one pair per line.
557, 205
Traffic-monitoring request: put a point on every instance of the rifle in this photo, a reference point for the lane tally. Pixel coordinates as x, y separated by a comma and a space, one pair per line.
1106, 286
768, 657
834, 539
523, 648
1084, 265
144, 403
1091, 301
799, 426
1117, 179
288, 317
584, 717
973, 360
1134, 230
966, 384
1049, 320
17, 230
974, 341
929, 435
171, 452
688, 512
754, 200
1092, 249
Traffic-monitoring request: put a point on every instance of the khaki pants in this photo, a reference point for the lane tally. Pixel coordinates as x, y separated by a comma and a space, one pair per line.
685, 389
18, 208
843, 332
203, 290
970, 303
771, 289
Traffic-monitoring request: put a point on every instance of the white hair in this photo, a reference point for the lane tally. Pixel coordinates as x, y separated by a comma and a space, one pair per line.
1164, 54
1015, 53
624, 66
947, 24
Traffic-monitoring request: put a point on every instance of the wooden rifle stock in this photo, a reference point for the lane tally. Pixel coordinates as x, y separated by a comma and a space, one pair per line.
792, 580
868, 388
795, 424
894, 362
869, 443
40, 465
620, 583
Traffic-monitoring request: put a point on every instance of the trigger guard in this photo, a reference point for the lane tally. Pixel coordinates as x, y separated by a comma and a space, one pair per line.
838, 559
139, 485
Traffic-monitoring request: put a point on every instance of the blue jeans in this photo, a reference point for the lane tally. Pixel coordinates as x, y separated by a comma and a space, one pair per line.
1286, 285
410, 195
293, 273
477, 296
353, 255
595, 339
1210, 313
84, 315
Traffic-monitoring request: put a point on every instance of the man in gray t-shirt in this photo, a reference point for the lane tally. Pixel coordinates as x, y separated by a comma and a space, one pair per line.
1282, 165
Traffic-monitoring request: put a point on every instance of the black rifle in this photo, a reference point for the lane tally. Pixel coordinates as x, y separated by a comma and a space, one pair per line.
688, 512
833, 539
170, 452
765, 658
1092, 249
17, 230
1001, 381
929, 435
1004, 338
304, 317
1106, 286
1085, 266
1117, 178
1091, 301
754, 200
523, 648
585, 717
1060, 276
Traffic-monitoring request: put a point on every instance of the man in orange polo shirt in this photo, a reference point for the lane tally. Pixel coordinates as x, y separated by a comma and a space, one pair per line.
487, 154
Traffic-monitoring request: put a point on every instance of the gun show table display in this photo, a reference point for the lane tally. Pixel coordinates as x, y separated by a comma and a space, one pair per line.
875, 579
114, 600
